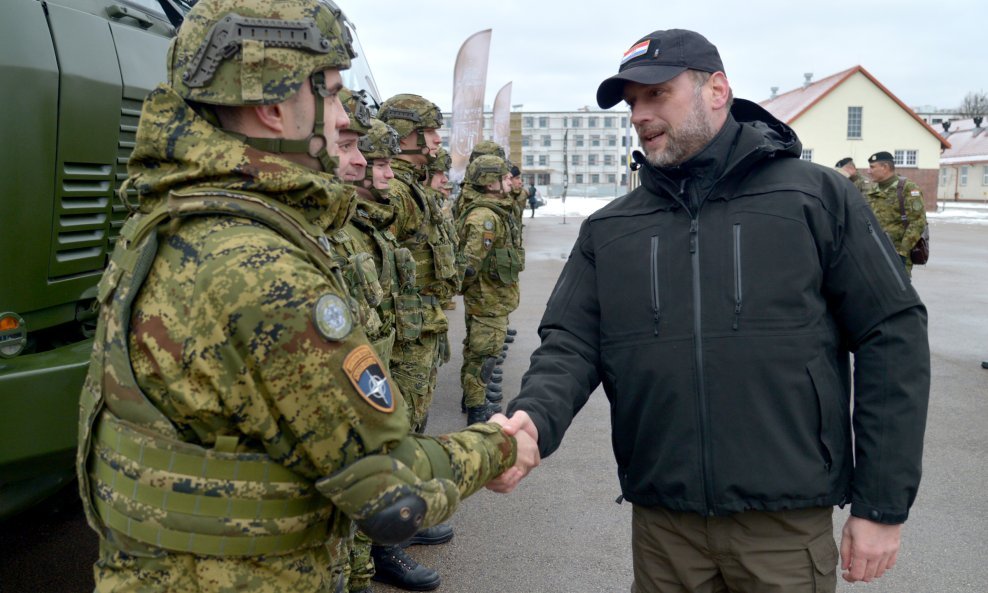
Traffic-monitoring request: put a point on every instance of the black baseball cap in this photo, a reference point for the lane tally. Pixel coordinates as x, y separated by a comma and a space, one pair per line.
844, 161
658, 57
881, 156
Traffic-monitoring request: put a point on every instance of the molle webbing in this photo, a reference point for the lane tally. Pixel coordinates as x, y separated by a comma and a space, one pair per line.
174, 495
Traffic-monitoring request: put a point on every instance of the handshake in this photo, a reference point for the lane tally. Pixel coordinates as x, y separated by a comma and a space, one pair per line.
521, 427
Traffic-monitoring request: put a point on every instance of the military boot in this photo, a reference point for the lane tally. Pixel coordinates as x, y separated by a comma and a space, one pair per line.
496, 378
504, 347
431, 536
393, 566
512, 331
482, 413
509, 339
494, 393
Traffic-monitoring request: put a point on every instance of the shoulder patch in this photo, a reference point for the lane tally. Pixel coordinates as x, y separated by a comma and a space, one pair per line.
915, 193
366, 373
332, 317
489, 225
488, 239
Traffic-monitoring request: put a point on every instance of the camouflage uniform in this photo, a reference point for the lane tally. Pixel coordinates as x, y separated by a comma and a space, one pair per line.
235, 420
884, 202
421, 227
861, 182
490, 261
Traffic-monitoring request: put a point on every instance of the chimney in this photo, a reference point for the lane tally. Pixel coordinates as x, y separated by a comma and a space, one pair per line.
977, 120
809, 77
775, 92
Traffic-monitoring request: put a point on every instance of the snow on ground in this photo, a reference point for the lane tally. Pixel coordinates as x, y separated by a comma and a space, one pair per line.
576, 206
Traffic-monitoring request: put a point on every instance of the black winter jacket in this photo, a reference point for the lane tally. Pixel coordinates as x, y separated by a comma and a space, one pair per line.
718, 303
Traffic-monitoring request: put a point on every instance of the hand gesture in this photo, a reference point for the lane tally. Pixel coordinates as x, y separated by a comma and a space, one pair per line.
521, 427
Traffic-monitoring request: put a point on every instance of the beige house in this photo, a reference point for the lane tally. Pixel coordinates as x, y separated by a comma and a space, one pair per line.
851, 114
964, 166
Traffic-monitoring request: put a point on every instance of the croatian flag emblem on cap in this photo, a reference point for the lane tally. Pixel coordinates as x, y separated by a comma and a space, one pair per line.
635, 51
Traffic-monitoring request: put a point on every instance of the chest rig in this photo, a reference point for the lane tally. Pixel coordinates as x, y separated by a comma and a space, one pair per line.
506, 258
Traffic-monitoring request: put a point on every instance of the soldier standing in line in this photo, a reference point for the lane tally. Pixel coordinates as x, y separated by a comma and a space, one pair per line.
903, 223
520, 194
227, 344
438, 181
846, 167
490, 242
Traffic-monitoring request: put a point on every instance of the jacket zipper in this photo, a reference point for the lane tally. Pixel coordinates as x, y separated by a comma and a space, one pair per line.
737, 274
885, 254
655, 284
701, 390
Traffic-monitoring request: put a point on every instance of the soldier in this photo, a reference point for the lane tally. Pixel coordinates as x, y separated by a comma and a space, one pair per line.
898, 205
235, 421
381, 275
420, 226
490, 241
439, 174
520, 193
846, 167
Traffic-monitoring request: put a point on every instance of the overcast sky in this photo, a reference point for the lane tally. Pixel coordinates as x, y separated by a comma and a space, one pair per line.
556, 53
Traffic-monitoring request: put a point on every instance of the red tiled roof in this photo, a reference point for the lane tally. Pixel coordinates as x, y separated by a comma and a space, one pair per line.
789, 106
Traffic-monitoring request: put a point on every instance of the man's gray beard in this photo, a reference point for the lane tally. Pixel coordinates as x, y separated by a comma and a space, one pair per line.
687, 140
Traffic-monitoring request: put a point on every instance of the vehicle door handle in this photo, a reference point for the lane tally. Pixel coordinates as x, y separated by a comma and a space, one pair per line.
118, 12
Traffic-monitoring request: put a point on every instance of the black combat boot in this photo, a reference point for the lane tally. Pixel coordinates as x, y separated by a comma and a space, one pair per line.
504, 347
512, 331
498, 371
496, 378
494, 396
509, 339
393, 566
482, 413
431, 536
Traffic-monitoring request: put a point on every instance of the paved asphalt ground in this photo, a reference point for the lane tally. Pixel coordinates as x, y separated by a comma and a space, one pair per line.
561, 531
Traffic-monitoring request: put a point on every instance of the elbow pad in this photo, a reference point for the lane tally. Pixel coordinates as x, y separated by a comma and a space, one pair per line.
386, 500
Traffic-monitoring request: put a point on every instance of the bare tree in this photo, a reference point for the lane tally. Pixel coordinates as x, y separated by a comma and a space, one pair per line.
975, 104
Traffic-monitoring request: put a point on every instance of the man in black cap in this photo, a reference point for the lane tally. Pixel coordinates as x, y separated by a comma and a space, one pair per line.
717, 303
898, 205
846, 167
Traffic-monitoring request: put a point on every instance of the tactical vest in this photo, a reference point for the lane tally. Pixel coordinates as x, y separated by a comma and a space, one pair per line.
144, 485
506, 259
432, 244
389, 294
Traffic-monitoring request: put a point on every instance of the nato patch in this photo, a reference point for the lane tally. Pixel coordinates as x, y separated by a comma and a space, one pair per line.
488, 240
366, 373
332, 317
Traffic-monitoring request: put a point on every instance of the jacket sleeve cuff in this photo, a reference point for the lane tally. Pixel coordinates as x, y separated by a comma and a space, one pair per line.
866, 511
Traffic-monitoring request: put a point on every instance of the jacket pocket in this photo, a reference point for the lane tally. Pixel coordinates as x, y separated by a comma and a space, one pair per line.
654, 284
828, 395
823, 554
737, 274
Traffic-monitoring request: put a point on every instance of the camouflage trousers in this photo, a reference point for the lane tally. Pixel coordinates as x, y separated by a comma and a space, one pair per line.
361, 563
415, 368
485, 336
315, 570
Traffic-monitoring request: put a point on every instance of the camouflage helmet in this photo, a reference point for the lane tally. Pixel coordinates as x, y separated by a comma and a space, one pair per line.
442, 163
485, 170
248, 52
407, 113
355, 105
381, 142
487, 147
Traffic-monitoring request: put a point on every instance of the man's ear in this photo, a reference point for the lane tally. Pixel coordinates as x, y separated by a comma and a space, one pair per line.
271, 117
720, 90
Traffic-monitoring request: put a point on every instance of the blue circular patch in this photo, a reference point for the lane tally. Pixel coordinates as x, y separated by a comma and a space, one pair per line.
332, 317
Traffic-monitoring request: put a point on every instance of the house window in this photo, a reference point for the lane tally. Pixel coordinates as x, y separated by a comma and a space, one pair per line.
529, 160
943, 176
608, 122
574, 159
624, 141
592, 122
578, 140
807, 154
624, 122
578, 178
624, 179
526, 140
574, 122
611, 178
609, 160
546, 140
595, 178
612, 140
984, 175
591, 159
529, 122
905, 158
595, 140
854, 123
543, 160
543, 179
964, 176
543, 122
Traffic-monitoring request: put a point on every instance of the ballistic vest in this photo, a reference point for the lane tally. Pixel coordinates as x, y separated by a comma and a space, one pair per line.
144, 484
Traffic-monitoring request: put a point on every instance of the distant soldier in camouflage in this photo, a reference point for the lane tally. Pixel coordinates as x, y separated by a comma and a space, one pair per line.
235, 421
520, 194
438, 181
421, 227
847, 168
490, 242
904, 225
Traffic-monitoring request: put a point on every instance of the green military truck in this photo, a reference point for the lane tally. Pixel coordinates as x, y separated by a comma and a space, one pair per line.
73, 75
